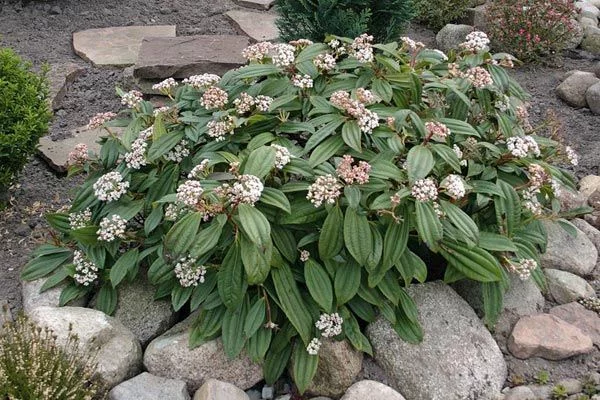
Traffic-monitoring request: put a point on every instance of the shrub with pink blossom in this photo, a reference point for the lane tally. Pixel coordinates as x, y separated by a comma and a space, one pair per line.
531, 29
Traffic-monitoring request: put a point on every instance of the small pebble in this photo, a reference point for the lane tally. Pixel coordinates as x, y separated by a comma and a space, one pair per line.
56, 10
268, 393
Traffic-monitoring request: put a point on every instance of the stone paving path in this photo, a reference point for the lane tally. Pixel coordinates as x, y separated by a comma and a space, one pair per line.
155, 53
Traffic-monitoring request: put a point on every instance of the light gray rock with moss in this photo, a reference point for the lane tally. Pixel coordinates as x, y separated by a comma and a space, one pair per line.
575, 254
33, 298
457, 359
118, 353
169, 355
451, 35
149, 387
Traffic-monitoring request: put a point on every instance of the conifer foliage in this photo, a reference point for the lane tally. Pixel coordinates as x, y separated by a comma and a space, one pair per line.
314, 19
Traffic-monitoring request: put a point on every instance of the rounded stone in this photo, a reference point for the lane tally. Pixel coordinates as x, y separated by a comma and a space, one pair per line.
451, 35
572, 90
371, 390
592, 97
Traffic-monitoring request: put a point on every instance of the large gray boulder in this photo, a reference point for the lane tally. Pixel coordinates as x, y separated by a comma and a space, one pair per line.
592, 96
149, 387
576, 37
451, 35
577, 255
118, 353
592, 233
591, 40
339, 365
371, 390
523, 297
33, 298
565, 287
589, 184
169, 355
572, 90
457, 359
137, 310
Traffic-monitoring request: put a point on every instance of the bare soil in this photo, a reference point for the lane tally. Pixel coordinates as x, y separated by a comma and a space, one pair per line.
41, 32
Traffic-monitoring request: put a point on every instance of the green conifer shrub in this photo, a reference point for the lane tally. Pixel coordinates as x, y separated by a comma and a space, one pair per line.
437, 13
315, 19
295, 198
24, 114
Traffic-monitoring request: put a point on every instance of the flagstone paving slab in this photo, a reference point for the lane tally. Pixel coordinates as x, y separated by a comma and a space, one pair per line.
184, 56
116, 46
258, 4
259, 27
56, 153
59, 77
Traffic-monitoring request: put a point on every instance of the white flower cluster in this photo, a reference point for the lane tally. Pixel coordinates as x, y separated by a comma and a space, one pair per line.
523, 268
502, 104
161, 110
282, 54
365, 96
86, 272
257, 51
100, 119
112, 228
459, 154
326, 189
188, 273
339, 48
132, 99
219, 129
135, 158
189, 193
362, 48
300, 43
367, 119
537, 175
424, 190
437, 131
521, 146
165, 86
200, 170
263, 103
302, 81
172, 212
325, 62
479, 77
214, 98
330, 325
282, 156
80, 219
179, 152
411, 45
476, 41
110, 186
203, 81
455, 186
244, 103
572, 156
304, 255
556, 187
79, 155
246, 190
313, 347
530, 200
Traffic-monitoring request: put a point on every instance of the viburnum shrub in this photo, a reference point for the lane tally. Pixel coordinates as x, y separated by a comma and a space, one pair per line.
24, 114
292, 200
437, 13
531, 29
315, 19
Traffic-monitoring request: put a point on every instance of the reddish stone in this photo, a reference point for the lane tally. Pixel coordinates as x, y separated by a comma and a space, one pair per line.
549, 337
